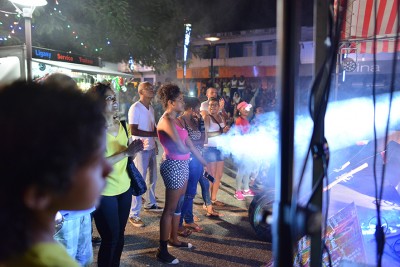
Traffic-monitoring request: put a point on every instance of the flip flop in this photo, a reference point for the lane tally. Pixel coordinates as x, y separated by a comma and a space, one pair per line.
193, 226
185, 233
181, 245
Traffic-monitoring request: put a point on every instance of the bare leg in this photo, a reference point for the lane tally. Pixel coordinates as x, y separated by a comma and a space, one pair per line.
174, 231
218, 175
212, 168
171, 200
173, 237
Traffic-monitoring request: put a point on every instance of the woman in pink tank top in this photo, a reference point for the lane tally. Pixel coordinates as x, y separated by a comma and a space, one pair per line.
174, 169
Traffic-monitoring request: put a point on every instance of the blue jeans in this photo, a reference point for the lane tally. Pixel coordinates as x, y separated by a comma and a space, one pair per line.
195, 173
111, 218
76, 236
146, 163
205, 190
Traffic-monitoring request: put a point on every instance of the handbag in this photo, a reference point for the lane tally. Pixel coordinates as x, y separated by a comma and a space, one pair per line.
138, 184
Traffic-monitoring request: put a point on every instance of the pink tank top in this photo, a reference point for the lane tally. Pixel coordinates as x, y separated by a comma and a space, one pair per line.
169, 146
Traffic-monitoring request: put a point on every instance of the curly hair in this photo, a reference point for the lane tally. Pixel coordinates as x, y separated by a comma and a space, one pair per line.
191, 102
98, 90
48, 133
168, 92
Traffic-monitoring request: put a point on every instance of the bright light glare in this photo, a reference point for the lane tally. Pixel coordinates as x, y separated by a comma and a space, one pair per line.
29, 3
212, 39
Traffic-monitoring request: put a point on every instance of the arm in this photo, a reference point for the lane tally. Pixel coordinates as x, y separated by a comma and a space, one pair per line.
195, 152
136, 132
222, 109
199, 142
227, 127
133, 117
130, 151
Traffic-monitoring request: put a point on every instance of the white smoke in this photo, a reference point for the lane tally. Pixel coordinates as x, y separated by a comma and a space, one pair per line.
346, 123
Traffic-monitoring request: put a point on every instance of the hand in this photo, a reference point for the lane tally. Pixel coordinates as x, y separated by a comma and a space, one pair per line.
226, 129
134, 147
221, 104
205, 168
145, 143
196, 115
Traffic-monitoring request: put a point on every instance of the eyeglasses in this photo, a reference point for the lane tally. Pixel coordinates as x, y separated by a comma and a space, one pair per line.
110, 98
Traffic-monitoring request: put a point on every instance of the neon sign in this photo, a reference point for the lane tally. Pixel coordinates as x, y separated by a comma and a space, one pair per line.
48, 54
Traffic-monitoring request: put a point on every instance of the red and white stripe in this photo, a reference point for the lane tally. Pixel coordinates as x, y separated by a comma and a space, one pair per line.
386, 46
363, 21
363, 18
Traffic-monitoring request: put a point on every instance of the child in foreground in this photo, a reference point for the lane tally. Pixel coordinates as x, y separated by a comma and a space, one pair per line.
53, 143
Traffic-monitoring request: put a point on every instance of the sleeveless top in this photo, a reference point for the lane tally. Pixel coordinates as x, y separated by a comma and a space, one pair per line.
214, 127
234, 83
194, 135
170, 147
241, 85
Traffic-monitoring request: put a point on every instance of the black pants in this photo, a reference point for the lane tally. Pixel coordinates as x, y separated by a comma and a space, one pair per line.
111, 218
232, 92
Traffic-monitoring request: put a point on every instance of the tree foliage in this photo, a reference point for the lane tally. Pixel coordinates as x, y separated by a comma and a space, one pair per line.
149, 31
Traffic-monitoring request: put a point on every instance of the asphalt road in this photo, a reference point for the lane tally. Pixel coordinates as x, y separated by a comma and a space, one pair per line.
226, 241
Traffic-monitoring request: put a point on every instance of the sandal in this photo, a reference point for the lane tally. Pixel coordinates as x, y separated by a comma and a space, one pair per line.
213, 214
194, 226
184, 232
218, 203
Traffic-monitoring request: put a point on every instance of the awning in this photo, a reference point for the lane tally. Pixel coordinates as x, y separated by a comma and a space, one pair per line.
359, 25
83, 68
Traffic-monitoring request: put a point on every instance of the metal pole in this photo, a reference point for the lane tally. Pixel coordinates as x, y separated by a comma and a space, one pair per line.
287, 68
320, 33
212, 65
28, 42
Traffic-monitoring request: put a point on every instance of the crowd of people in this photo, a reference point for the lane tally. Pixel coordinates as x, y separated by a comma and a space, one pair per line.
81, 173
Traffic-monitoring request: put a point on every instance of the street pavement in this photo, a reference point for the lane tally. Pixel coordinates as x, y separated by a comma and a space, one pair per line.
226, 241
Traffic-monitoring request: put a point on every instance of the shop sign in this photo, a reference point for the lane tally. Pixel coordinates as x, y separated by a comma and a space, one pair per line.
48, 54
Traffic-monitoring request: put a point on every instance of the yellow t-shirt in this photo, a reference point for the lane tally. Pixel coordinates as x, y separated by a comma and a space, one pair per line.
44, 255
118, 181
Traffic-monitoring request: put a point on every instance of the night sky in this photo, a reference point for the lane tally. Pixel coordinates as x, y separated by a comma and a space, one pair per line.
231, 15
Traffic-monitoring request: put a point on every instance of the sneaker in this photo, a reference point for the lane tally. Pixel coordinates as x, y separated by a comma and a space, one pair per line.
154, 208
238, 195
248, 193
136, 221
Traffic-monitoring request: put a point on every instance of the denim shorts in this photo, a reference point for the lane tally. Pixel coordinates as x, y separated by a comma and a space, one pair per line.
212, 154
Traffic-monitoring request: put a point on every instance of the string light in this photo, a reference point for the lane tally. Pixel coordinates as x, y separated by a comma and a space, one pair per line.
54, 11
